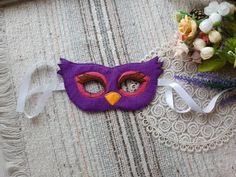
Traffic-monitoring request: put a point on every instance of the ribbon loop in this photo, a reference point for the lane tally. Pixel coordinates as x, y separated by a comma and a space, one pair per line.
46, 91
192, 105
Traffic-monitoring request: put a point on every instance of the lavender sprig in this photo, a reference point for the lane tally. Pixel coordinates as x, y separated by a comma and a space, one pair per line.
209, 80
190, 80
229, 100
209, 75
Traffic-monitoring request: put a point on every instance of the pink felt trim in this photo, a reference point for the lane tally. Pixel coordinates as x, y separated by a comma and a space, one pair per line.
88, 94
141, 88
83, 91
138, 91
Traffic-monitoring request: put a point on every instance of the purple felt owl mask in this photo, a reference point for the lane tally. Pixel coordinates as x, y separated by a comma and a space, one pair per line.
113, 96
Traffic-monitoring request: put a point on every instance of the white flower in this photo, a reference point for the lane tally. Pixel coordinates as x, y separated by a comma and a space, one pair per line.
215, 18
223, 8
180, 49
214, 36
206, 25
207, 52
211, 8
215, 10
199, 44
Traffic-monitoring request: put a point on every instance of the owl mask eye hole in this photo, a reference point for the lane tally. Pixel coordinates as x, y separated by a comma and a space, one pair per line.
132, 83
91, 84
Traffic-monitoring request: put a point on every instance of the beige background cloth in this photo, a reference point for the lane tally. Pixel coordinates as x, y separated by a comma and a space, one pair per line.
64, 141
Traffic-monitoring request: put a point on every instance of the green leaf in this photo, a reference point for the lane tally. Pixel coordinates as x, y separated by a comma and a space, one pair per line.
229, 45
199, 21
229, 26
179, 15
213, 64
184, 13
223, 54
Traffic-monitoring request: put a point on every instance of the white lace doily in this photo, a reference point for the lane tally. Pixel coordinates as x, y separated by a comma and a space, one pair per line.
190, 131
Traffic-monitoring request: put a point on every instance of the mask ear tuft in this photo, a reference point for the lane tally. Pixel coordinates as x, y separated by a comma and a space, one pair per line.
64, 61
63, 65
154, 63
159, 65
59, 71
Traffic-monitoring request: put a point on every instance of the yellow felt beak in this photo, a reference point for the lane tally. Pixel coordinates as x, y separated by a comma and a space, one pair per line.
112, 97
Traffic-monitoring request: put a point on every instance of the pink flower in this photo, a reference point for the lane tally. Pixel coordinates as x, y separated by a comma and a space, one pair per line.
181, 49
204, 37
196, 58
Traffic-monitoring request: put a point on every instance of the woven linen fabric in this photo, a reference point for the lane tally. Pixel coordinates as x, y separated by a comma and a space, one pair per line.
67, 142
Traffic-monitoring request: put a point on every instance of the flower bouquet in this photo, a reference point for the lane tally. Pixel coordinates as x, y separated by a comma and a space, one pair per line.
208, 36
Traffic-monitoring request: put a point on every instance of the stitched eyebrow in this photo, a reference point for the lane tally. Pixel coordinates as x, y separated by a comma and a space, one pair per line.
137, 76
87, 78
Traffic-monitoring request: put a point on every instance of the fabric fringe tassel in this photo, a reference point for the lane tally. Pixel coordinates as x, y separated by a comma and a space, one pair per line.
11, 136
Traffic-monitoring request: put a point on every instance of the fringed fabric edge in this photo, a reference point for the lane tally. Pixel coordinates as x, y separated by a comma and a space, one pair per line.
10, 131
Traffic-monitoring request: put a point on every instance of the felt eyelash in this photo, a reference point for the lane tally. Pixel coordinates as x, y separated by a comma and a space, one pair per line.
137, 76
85, 78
